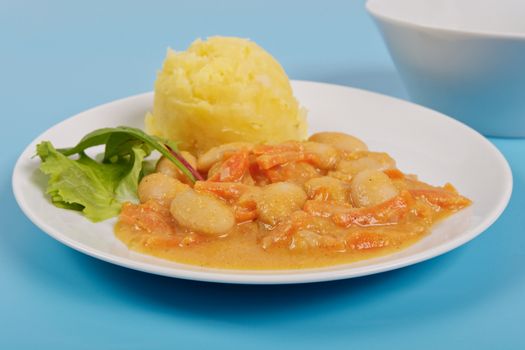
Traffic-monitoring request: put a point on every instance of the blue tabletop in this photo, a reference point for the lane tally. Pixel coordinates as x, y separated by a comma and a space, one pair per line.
58, 58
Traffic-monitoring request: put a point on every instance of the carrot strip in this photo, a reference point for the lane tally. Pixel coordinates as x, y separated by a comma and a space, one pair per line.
225, 190
442, 198
389, 212
268, 161
149, 216
394, 174
233, 168
273, 149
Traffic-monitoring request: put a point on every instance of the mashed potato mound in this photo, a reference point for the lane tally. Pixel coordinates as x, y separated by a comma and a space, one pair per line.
224, 90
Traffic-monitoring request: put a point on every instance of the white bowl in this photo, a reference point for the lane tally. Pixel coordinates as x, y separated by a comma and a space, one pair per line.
465, 58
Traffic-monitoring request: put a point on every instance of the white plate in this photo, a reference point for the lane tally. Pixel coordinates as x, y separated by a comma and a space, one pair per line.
437, 148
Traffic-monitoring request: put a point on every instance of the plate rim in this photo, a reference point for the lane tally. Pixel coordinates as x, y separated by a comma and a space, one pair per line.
273, 276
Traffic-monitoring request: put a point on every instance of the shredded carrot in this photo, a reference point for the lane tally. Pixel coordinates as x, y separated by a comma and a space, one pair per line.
233, 168
394, 174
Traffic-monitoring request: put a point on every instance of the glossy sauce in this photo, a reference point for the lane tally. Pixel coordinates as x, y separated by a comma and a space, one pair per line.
333, 206
241, 249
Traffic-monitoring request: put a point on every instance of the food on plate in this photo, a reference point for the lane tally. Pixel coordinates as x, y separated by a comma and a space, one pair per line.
224, 90
296, 204
237, 185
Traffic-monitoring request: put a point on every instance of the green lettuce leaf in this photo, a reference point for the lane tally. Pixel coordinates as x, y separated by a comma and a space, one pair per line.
96, 189
120, 140
126, 190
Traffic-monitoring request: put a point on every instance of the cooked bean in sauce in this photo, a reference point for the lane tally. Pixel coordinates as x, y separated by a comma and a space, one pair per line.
322, 202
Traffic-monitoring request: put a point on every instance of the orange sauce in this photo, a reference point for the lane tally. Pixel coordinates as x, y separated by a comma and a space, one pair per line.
241, 248
323, 226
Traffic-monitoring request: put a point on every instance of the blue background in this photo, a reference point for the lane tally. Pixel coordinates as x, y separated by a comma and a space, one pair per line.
58, 58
